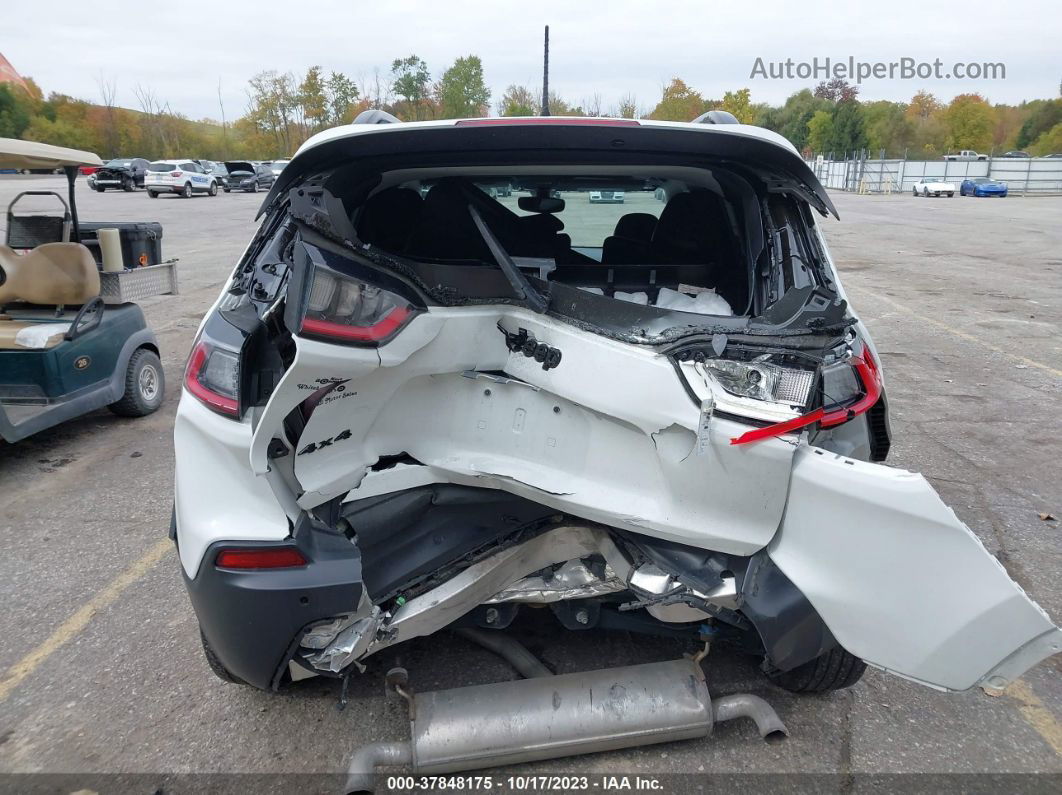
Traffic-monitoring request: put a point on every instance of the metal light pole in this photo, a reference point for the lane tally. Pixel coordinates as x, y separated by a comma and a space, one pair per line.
545, 75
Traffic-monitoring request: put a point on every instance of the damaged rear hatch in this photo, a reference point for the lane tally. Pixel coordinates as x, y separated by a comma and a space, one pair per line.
513, 359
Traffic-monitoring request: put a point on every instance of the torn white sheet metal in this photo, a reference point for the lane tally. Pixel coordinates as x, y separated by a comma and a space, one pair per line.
900, 581
608, 435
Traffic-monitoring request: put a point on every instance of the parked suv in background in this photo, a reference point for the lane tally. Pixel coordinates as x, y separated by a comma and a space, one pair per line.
250, 177
183, 177
126, 173
414, 406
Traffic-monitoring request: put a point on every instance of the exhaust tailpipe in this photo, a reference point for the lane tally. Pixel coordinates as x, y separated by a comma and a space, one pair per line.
544, 718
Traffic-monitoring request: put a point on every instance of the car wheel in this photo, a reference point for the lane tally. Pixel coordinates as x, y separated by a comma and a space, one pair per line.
227, 190
925, 193
186, 191
154, 194
220, 671
951, 195
834, 670
254, 187
100, 189
914, 192
145, 386
213, 189
129, 186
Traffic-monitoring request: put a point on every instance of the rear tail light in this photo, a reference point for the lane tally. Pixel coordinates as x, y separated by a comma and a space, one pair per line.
340, 308
213, 376
850, 388
260, 558
176, 173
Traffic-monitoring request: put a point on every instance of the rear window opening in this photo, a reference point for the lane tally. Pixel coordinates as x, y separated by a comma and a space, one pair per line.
162, 167
693, 240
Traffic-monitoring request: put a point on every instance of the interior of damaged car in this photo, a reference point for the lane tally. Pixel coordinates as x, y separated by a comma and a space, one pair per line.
691, 240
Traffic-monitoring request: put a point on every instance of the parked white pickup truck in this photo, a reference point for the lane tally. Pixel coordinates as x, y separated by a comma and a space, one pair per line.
966, 154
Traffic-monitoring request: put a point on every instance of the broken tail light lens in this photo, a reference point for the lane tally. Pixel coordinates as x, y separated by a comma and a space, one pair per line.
260, 558
340, 308
850, 388
213, 376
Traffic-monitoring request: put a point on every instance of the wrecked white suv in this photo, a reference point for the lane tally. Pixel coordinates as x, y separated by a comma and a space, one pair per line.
421, 404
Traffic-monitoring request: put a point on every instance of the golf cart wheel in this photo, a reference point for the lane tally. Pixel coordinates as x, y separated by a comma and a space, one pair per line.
186, 191
220, 671
213, 189
834, 670
154, 194
145, 386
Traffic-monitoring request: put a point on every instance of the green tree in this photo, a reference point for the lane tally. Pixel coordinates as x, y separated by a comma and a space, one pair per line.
887, 127
738, 103
968, 121
820, 131
312, 100
849, 132
628, 107
678, 102
341, 98
519, 101
412, 82
462, 91
1049, 143
1044, 116
791, 120
15, 111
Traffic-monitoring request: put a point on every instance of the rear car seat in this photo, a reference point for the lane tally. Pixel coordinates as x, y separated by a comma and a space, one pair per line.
53, 274
629, 242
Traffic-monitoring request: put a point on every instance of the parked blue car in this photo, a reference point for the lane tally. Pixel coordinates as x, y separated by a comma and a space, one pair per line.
982, 186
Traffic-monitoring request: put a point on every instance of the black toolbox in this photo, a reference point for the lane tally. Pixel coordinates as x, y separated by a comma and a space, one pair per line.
141, 241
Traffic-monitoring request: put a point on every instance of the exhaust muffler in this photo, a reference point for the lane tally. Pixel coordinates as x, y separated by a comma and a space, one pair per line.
549, 717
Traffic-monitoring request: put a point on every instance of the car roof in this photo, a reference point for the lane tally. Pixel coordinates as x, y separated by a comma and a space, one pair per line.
751, 145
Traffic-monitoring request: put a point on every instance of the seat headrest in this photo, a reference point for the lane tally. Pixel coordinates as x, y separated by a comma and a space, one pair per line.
636, 226
690, 227
389, 217
51, 274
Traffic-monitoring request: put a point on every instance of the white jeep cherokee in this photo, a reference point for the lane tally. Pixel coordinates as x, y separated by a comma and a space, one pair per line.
183, 177
420, 404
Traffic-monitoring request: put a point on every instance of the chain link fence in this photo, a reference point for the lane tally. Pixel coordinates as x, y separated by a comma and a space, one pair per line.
859, 173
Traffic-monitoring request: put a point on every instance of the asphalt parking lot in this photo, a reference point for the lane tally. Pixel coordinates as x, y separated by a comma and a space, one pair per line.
100, 666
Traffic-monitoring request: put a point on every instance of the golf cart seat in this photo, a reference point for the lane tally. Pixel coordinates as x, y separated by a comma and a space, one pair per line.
52, 275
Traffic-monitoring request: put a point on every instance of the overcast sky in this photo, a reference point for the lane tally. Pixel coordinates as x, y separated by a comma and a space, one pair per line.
181, 50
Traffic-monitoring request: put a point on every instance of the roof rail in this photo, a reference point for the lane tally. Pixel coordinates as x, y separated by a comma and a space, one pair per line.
716, 117
374, 116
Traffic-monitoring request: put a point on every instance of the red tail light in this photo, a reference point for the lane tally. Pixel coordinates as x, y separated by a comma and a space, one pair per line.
176, 173
212, 375
340, 308
260, 558
867, 370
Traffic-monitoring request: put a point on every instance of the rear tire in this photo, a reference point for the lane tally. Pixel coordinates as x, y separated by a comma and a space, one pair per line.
145, 386
951, 195
100, 189
186, 191
834, 670
220, 671
154, 194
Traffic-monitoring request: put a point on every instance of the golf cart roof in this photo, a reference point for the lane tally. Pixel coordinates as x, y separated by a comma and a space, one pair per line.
30, 154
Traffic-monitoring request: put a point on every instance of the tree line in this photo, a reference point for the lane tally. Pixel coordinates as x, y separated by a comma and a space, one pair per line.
284, 109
